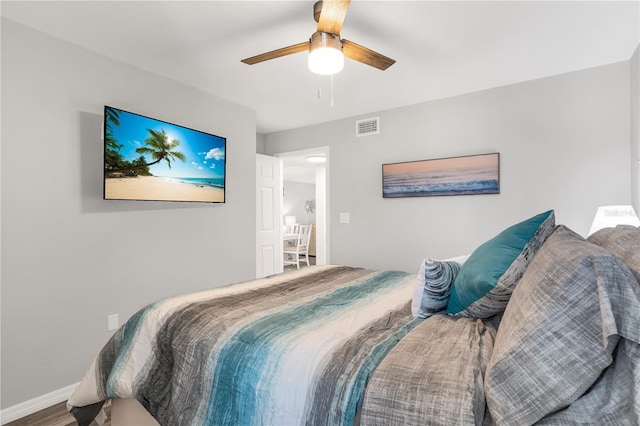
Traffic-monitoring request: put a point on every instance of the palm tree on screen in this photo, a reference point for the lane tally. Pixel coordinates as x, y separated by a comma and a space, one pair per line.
113, 157
159, 148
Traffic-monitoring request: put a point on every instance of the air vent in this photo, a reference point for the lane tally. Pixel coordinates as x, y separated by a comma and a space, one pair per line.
369, 126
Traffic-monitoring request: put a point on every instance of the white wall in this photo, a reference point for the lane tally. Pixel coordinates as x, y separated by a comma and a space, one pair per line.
69, 258
564, 145
635, 130
295, 196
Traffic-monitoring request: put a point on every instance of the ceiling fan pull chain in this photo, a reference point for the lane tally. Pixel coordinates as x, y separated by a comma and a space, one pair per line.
331, 90
320, 92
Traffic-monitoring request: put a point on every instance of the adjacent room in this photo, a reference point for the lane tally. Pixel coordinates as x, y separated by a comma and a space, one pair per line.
156, 153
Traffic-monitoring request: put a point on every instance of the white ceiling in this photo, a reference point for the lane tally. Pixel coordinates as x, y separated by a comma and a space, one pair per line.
297, 167
442, 48
302, 174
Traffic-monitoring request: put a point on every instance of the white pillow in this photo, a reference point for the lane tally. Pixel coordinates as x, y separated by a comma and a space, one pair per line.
433, 285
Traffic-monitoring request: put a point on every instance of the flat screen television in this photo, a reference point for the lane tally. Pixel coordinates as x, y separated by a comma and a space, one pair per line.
153, 160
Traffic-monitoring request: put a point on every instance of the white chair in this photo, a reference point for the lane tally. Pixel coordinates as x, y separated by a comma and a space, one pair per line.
290, 235
292, 254
291, 229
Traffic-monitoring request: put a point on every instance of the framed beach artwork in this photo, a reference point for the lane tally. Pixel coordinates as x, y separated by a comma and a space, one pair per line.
468, 175
153, 160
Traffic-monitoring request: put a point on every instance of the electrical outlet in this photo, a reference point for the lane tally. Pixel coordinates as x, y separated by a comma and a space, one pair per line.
345, 218
113, 322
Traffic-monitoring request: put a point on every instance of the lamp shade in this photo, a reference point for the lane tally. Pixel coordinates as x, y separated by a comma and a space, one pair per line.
290, 220
325, 54
610, 216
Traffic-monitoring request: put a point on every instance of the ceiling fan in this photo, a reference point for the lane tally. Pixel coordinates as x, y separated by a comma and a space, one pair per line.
326, 49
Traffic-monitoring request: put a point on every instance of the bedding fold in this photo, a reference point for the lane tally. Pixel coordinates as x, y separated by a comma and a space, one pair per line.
435, 375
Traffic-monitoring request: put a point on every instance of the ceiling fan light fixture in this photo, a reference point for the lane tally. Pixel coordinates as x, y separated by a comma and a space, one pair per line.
325, 54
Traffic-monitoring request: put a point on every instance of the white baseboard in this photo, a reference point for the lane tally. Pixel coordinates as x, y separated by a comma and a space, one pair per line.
31, 406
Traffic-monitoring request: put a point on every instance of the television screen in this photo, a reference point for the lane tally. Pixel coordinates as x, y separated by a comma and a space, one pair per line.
149, 159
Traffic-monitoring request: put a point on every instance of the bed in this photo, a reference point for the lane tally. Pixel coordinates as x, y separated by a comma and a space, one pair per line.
554, 340
280, 350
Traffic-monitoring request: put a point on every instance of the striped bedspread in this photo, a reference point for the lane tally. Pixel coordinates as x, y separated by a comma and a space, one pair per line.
296, 348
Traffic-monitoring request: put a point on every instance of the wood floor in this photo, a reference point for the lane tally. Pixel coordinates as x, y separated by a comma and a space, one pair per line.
56, 415
303, 264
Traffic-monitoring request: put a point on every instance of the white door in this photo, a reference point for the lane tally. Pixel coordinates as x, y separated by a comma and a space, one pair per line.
268, 213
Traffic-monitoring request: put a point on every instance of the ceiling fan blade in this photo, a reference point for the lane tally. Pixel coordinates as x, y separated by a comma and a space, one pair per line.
332, 16
366, 56
300, 47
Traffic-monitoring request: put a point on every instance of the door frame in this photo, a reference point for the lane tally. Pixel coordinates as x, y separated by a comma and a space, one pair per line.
323, 254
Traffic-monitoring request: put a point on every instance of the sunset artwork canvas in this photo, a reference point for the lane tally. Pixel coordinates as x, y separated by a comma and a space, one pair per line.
153, 160
468, 175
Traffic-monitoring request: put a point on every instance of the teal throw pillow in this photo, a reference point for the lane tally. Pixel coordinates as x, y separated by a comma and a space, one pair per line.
484, 285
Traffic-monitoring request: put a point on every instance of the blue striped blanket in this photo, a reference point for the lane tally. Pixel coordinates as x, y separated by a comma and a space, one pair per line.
296, 348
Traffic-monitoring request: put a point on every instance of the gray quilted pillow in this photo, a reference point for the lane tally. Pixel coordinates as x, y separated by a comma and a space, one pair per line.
559, 329
433, 285
623, 241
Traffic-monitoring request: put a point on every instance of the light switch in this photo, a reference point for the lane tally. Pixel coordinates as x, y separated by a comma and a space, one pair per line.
113, 322
345, 218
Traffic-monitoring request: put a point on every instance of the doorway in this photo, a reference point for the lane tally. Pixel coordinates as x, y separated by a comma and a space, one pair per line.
307, 176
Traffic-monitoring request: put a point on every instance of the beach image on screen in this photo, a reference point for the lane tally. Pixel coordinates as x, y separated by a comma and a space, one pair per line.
149, 159
476, 174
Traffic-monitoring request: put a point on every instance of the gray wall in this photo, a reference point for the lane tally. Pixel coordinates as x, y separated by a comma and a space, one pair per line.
635, 130
563, 142
69, 258
259, 143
